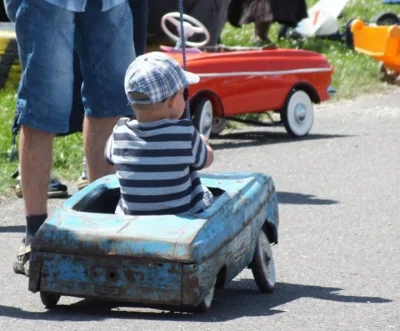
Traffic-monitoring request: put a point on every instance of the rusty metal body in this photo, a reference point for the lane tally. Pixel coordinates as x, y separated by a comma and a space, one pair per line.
85, 250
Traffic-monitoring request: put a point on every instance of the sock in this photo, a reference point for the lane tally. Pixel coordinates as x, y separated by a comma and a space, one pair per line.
33, 223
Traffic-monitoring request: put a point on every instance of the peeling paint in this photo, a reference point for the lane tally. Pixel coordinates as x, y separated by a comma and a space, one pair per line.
151, 259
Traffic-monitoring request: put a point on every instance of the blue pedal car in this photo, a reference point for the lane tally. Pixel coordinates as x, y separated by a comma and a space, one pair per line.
85, 250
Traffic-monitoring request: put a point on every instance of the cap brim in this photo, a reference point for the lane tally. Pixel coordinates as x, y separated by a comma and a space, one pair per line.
191, 77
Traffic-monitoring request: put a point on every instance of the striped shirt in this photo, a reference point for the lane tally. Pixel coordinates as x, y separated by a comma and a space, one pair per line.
80, 5
157, 165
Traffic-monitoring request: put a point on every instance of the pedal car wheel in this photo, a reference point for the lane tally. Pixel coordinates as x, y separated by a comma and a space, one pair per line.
386, 19
298, 114
348, 35
206, 303
219, 125
263, 265
49, 300
203, 117
387, 75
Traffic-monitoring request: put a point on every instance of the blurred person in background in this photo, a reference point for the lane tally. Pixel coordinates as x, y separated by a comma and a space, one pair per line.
263, 13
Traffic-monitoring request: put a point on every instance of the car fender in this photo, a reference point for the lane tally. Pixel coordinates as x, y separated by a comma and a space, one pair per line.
308, 88
218, 106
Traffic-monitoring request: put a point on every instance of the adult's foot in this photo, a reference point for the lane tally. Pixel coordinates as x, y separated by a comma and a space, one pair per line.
21, 264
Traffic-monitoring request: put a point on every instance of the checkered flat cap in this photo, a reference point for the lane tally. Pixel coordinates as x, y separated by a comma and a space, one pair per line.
155, 77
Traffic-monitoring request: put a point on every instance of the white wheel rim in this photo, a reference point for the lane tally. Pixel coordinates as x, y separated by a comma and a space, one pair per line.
206, 119
300, 113
191, 24
267, 260
219, 125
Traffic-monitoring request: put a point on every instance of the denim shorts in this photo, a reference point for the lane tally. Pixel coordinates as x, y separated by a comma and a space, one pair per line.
47, 36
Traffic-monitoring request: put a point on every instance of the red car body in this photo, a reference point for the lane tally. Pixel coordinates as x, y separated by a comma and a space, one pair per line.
244, 80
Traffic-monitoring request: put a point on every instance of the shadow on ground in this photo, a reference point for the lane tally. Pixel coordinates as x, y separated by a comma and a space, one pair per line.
240, 299
255, 137
302, 199
12, 228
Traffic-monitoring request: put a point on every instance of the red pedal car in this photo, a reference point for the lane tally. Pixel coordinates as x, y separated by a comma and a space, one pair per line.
241, 80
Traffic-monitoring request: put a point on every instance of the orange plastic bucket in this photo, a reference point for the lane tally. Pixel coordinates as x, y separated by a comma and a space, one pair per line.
380, 42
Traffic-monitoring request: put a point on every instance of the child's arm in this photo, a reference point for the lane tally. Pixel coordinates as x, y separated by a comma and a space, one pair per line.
203, 155
108, 150
210, 152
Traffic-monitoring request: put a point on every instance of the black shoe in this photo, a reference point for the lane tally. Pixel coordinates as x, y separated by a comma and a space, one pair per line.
55, 189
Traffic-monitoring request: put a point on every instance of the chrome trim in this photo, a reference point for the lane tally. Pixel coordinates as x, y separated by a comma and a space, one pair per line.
264, 73
331, 91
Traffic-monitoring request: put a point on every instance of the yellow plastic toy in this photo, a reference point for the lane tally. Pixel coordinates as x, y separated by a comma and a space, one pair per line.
381, 43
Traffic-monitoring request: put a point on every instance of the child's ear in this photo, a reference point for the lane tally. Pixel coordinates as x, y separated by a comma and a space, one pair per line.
172, 101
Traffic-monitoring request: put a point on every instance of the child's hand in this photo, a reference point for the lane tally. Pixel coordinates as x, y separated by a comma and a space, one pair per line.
210, 152
204, 138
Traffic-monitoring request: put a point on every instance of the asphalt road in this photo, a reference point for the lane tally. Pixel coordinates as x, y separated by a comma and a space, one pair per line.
338, 261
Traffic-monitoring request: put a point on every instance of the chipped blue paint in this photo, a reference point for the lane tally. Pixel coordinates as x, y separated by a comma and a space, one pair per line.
189, 251
68, 274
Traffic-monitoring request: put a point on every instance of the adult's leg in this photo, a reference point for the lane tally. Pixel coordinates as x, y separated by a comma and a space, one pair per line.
213, 14
263, 19
35, 162
44, 98
262, 31
104, 42
139, 10
96, 131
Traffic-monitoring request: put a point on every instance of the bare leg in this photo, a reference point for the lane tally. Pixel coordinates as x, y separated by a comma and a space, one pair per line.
262, 30
96, 131
35, 159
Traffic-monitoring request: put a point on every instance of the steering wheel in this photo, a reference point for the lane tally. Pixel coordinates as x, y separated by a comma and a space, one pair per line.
191, 26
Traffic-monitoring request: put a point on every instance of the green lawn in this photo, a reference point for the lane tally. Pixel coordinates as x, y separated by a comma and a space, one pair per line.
355, 74
67, 156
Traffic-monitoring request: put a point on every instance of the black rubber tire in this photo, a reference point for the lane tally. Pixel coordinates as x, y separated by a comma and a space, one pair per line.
262, 265
199, 116
387, 18
49, 300
219, 125
348, 36
387, 75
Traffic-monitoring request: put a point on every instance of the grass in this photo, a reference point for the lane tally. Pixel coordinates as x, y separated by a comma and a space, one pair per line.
7, 106
355, 74
68, 151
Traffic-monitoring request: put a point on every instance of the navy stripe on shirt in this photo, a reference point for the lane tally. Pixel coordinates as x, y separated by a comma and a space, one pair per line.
155, 183
137, 152
178, 137
151, 167
163, 194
